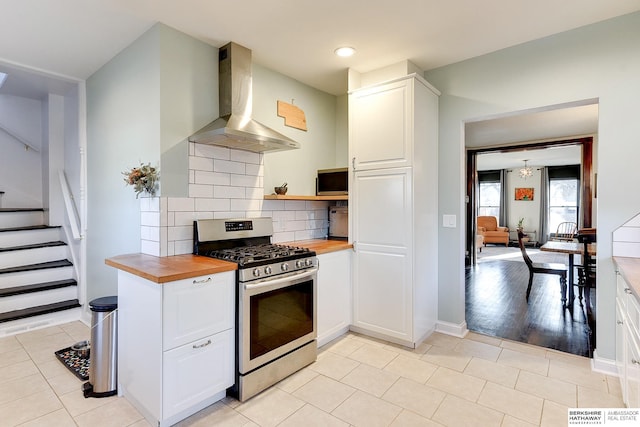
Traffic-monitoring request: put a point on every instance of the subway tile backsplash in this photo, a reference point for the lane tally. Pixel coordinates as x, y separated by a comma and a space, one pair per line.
224, 183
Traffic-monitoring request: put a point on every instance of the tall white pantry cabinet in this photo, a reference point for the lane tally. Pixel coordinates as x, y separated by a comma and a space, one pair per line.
393, 146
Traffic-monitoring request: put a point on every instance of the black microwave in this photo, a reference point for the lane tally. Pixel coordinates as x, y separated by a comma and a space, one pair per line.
332, 182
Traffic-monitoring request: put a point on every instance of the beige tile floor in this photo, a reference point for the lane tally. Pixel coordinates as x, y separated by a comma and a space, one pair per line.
357, 381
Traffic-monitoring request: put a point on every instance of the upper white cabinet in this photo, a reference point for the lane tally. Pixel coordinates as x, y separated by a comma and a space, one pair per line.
381, 125
394, 208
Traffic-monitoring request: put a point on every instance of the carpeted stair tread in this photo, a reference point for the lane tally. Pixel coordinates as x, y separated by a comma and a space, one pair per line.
39, 310
37, 287
39, 266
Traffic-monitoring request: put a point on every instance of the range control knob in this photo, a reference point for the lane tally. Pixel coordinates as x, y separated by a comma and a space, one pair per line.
256, 272
299, 263
267, 270
284, 266
308, 262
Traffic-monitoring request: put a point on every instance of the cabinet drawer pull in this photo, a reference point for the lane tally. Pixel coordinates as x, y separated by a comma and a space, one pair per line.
202, 345
627, 290
635, 362
200, 282
619, 322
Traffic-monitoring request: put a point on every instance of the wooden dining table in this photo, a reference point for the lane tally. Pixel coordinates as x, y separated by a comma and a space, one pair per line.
571, 249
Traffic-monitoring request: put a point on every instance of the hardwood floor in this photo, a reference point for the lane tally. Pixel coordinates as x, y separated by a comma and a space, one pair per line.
496, 306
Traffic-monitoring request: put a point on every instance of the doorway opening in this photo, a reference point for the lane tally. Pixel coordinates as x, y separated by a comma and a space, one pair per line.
495, 302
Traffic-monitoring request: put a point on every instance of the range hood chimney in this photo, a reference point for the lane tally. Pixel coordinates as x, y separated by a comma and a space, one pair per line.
235, 128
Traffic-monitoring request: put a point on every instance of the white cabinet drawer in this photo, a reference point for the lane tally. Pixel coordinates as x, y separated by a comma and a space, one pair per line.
197, 371
197, 307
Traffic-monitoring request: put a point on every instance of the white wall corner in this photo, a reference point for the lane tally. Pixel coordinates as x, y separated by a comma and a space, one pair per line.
603, 366
455, 329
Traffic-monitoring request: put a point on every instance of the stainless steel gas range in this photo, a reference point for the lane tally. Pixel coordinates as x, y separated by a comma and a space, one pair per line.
276, 321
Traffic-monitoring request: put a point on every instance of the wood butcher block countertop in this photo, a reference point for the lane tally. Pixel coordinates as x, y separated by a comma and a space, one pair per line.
630, 270
168, 269
322, 246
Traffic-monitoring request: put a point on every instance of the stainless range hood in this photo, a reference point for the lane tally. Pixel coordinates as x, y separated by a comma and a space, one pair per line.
235, 128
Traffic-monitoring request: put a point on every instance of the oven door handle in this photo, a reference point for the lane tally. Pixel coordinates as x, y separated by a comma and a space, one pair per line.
275, 282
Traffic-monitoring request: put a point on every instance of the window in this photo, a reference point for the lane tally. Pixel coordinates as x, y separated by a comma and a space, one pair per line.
489, 194
564, 195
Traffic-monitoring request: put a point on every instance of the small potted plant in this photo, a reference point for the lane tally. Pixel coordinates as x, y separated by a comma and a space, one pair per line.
520, 227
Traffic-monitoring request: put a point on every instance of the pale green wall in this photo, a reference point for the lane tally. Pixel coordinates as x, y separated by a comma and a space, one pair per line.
141, 106
598, 61
188, 98
296, 167
123, 129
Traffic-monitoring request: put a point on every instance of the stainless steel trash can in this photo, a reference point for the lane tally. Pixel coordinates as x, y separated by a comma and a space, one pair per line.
103, 358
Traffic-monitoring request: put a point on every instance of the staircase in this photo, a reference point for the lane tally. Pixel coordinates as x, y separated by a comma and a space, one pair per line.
38, 286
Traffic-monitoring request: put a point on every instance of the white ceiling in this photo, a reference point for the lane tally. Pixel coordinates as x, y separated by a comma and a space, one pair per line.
543, 124
553, 156
74, 38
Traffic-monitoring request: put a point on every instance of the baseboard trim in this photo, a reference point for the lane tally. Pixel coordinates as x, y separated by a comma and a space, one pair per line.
455, 329
85, 315
603, 366
381, 336
28, 324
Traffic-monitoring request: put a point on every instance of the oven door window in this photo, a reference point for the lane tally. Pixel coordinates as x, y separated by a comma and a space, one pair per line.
280, 316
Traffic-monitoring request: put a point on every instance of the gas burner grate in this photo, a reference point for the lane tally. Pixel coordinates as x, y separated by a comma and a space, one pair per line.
246, 255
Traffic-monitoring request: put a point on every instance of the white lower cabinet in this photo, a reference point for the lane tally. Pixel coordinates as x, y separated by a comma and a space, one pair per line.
628, 343
334, 295
196, 371
176, 348
632, 374
391, 300
192, 309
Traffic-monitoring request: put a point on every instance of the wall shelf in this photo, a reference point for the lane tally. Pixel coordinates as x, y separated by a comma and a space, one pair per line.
285, 197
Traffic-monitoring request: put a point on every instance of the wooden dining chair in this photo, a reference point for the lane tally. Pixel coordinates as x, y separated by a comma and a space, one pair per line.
566, 232
543, 268
586, 270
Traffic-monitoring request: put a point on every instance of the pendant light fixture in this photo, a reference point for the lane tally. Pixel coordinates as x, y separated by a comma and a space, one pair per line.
526, 171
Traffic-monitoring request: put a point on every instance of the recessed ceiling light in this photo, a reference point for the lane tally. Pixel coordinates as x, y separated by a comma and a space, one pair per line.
345, 51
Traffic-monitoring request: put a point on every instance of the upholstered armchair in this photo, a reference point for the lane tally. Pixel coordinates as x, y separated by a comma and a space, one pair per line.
488, 228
